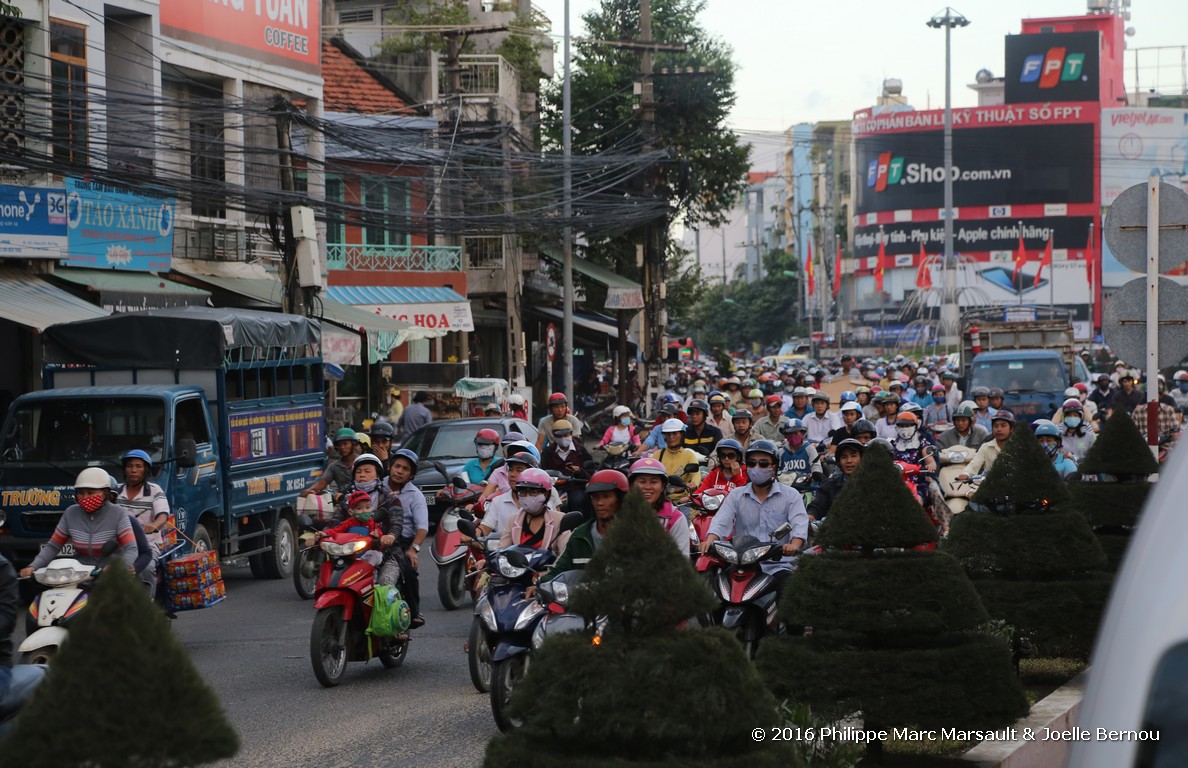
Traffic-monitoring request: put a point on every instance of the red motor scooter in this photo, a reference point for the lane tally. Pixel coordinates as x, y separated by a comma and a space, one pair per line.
458, 563
703, 506
747, 593
343, 603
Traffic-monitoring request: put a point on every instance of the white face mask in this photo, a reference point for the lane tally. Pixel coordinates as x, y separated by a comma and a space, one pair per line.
565, 443
905, 433
533, 505
485, 451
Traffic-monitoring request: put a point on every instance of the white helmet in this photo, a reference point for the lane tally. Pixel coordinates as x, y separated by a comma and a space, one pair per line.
1072, 392
620, 410
92, 478
516, 399
851, 406
672, 425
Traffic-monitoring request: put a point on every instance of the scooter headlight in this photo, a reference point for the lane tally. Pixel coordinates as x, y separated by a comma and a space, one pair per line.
487, 614
509, 570
530, 612
344, 550
55, 577
755, 554
711, 502
723, 550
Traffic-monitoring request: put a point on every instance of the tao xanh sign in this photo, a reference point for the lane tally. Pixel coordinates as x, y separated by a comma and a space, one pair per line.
281, 32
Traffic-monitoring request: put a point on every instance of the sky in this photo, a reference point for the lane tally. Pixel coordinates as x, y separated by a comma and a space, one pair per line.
804, 62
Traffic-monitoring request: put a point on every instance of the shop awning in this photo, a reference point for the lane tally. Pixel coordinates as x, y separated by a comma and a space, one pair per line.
600, 325
383, 333
121, 291
31, 301
621, 292
434, 310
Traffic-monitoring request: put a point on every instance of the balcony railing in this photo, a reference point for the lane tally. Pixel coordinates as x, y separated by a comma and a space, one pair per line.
195, 238
394, 258
481, 75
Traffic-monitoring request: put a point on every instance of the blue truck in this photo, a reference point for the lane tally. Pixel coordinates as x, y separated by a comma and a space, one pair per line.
228, 402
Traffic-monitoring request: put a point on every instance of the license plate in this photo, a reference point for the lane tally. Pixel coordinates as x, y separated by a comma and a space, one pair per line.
67, 549
430, 499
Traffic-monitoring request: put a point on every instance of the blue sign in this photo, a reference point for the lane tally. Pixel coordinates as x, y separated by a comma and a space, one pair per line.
32, 222
110, 228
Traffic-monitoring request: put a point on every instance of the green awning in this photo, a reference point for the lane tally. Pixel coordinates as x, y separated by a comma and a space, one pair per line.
122, 291
621, 292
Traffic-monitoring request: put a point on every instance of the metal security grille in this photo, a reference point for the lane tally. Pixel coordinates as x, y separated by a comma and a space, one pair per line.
12, 77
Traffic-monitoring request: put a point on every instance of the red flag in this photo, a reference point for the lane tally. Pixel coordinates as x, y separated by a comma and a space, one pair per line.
879, 267
923, 274
1089, 263
808, 270
1020, 258
1046, 260
837, 271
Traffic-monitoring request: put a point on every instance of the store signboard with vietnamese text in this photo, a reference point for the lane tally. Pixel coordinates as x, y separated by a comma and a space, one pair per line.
285, 33
108, 227
32, 222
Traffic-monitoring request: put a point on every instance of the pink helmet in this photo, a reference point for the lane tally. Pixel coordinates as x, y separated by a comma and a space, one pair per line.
535, 478
647, 466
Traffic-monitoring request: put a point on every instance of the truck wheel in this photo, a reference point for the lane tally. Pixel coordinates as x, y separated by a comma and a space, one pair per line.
204, 540
277, 563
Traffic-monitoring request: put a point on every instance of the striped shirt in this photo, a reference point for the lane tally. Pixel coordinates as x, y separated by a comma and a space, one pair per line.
146, 506
89, 533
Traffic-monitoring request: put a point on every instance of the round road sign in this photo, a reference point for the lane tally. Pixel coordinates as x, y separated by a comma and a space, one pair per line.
1126, 227
1124, 322
551, 342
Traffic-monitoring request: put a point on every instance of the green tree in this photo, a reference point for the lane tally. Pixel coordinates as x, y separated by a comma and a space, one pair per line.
895, 625
762, 312
1115, 484
703, 170
651, 693
1032, 556
120, 659
424, 13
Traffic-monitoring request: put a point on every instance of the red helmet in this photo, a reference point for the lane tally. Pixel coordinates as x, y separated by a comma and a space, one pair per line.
607, 480
487, 437
558, 397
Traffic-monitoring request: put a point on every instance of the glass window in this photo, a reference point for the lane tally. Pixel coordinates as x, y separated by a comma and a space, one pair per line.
68, 98
190, 421
386, 217
335, 210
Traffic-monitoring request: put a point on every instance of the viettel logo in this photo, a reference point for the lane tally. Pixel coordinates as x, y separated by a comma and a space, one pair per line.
888, 169
1055, 66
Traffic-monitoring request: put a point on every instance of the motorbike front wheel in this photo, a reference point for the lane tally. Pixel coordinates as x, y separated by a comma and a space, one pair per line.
505, 676
451, 584
305, 571
748, 635
479, 657
393, 653
328, 646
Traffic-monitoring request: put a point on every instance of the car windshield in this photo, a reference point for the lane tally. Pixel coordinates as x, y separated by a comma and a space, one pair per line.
51, 440
1039, 375
447, 441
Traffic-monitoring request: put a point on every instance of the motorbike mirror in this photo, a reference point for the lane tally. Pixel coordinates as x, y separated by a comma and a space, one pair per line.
441, 468
692, 468
304, 521
545, 590
572, 520
468, 528
459, 482
782, 531
516, 558
675, 481
590, 467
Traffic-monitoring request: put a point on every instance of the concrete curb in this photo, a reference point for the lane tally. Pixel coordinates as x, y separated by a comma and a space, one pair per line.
1057, 712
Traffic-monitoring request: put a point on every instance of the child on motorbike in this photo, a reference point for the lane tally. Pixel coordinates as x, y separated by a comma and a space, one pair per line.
362, 520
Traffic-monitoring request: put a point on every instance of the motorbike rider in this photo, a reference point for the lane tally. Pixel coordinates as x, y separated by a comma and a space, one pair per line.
755, 400
862, 396
558, 410
339, 470
797, 455
821, 422
651, 478
569, 457
497, 479
144, 500
477, 469
89, 523
519, 408
381, 434
742, 420
1127, 397
655, 438
768, 427
505, 505
800, 404
361, 514
719, 416
983, 413
909, 446
729, 472
1168, 422
938, 410
996, 398
370, 478
621, 431
864, 431
849, 454
675, 457
1076, 433
414, 526
1000, 430
953, 395
964, 431
1100, 396
921, 393
1048, 435
1180, 393
885, 426
700, 435
607, 489
537, 525
850, 413
758, 508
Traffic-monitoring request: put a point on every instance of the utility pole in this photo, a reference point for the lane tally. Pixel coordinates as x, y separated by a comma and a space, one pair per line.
653, 257
567, 231
292, 294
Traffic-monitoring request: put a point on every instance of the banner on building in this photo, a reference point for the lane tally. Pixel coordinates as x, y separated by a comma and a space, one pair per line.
108, 227
1052, 67
32, 223
978, 236
282, 32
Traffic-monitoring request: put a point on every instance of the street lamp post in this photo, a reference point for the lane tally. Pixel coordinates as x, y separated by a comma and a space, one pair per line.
949, 316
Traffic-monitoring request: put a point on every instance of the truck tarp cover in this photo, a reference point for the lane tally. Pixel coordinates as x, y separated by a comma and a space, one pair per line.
184, 337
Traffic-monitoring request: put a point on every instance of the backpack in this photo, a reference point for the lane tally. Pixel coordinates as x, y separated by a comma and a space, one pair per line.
390, 614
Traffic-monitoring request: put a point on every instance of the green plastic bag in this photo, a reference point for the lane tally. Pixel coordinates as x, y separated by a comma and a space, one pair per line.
390, 614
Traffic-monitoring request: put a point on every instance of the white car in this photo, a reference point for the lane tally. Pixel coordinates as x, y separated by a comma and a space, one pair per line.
1138, 681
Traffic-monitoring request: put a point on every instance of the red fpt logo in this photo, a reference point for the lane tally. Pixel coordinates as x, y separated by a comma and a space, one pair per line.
1053, 66
881, 178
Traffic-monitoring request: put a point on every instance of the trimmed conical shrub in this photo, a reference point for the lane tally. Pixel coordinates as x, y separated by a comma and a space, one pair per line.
895, 627
1033, 557
652, 693
118, 672
1114, 484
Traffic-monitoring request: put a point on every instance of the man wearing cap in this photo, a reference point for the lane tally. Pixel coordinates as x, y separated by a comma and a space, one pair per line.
700, 435
1128, 396
742, 423
768, 427
1101, 394
675, 457
822, 421
800, 403
719, 417
849, 454
566, 455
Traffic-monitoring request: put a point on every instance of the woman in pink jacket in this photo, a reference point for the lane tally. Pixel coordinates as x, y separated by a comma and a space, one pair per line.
620, 432
536, 525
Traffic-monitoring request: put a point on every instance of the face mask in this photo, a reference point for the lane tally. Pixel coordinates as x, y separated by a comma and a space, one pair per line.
756, 403
1103, 386
759, 475
1184, 386
1072, 422
367, 485
485, 451
625, 421
91, 504
1051, 449
533, 505
905, 433
362, 515
565, 443
938, 399
795, 439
